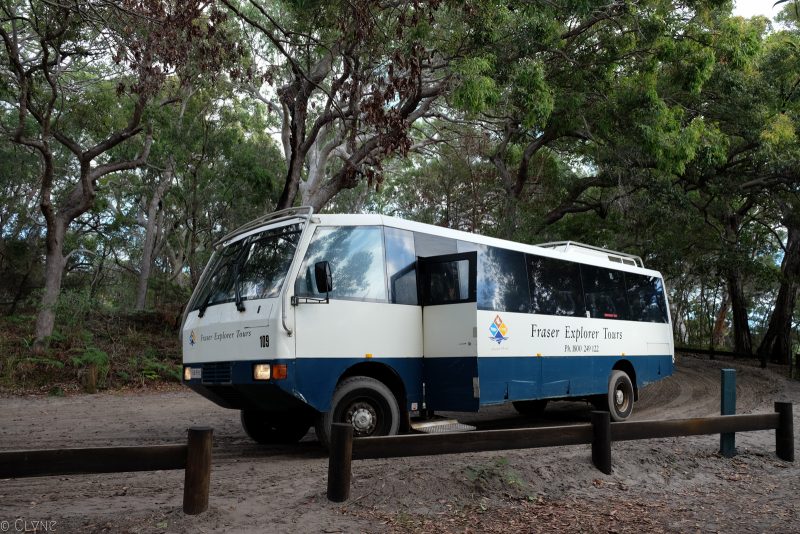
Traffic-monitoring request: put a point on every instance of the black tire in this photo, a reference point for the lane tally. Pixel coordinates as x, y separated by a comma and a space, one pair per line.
365, 403
530, 407
620, 396
268, 428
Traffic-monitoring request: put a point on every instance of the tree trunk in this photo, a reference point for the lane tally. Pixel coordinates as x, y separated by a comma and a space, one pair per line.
719, 325
53, 273
151, 225
509, 224
297, 157
742, 340
146, 264
776, 344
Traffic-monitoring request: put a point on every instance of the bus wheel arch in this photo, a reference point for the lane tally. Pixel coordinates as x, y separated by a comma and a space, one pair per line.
627, 367
382, 373
365, 402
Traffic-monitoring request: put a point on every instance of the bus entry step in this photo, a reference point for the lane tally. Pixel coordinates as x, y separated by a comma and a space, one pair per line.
440, 427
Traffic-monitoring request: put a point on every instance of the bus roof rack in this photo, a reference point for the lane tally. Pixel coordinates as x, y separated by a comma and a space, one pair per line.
611, 255
302, 212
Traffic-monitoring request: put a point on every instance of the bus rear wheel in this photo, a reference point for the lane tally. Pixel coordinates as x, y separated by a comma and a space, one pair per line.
365, 403
620, 396
269, 428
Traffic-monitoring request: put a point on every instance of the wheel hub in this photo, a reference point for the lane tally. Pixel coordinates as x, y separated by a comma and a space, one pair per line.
619, 397
363, 418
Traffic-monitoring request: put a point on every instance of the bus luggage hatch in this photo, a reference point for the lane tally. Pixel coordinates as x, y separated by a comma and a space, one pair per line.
449, 315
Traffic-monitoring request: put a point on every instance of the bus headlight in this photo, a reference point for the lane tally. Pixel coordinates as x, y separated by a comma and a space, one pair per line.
192, 373
261, 371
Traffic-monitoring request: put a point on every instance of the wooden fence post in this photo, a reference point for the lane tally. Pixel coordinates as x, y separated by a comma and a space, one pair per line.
339, 462
784, 434
90, 379
727, 442
198, 471
601, 441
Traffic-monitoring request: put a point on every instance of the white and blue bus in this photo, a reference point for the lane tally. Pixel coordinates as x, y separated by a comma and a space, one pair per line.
305, 319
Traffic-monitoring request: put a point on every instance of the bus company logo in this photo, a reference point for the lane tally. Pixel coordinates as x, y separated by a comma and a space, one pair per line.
498, 329
192, 339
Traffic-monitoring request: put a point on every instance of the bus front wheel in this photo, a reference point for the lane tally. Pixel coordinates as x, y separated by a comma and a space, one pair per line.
268, 428
620, 396
365, 403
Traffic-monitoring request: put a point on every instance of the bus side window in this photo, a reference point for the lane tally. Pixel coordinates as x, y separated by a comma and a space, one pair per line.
502, 280
555, 287
646, 298
357, 261
605, 292
401, 266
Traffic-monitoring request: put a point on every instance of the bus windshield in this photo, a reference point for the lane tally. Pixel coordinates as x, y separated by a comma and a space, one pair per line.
255, 266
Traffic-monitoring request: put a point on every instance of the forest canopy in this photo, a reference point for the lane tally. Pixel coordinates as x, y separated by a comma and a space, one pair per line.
135, 133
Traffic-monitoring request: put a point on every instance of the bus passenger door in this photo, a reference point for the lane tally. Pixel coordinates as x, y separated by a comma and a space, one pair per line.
449, 314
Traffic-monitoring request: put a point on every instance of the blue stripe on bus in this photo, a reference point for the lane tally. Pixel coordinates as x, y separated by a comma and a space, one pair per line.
449, 381
515, 378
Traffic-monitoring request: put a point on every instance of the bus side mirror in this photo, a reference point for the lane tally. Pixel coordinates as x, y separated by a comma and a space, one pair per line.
323, 277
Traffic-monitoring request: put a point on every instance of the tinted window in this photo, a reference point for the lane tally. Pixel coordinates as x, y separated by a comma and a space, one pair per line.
502, 280
355, 254
447, 282
555, 287
401, 266
646, 298
605, 292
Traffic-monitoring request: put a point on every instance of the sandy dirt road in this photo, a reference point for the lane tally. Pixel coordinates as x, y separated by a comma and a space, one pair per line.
668, 485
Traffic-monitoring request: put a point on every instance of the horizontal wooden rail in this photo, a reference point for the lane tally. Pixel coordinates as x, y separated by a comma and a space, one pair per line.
529, 438
194, 457
485, 440
49, 462
721, 424
600, 433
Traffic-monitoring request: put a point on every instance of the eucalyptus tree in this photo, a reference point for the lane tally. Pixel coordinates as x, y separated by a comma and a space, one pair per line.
113, 57
227, 170
550, 81
347, 79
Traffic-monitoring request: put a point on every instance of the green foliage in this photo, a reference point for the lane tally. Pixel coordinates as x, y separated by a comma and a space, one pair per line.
74, 307
152, 368
18, 320
476, 91
42, 361
531, 94
92, 356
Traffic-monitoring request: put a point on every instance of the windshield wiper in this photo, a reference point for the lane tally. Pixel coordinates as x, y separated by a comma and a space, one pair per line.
204, 306
237, 288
